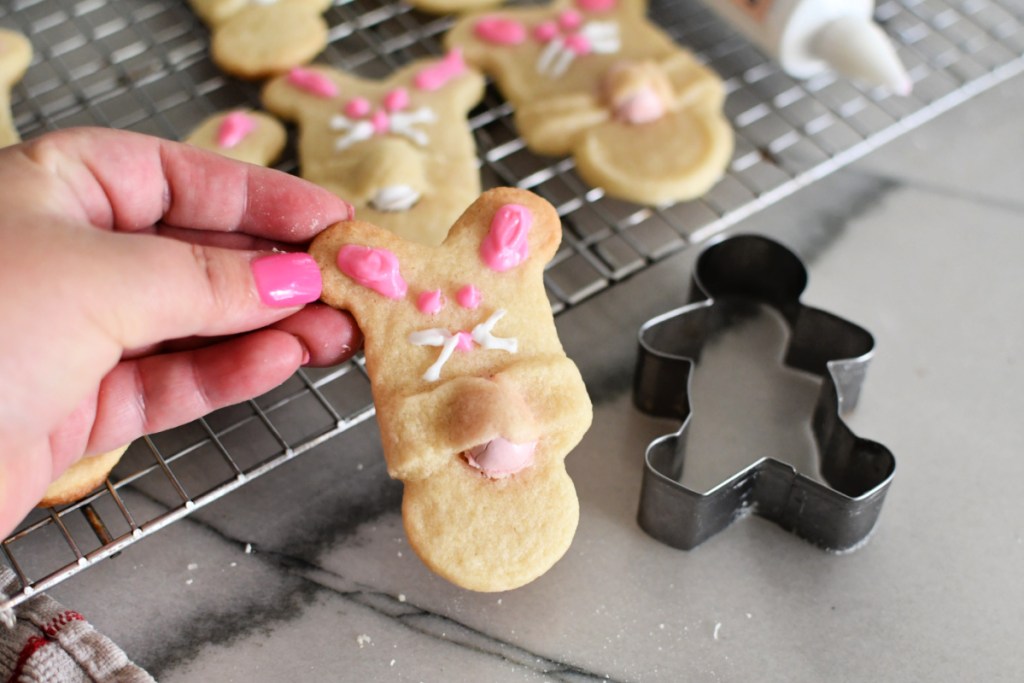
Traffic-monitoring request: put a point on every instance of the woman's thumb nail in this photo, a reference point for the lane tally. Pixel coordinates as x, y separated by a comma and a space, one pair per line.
290, 279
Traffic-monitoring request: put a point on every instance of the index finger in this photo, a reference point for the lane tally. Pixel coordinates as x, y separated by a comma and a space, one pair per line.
128, 181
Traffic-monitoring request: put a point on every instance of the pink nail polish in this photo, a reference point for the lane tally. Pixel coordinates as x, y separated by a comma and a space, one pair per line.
287, 279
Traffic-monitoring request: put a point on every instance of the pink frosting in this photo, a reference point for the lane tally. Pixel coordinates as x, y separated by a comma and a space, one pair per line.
597, 6
570, 20
505, 245
312, 82
430, 302
545, 31
578, 43
376, 269
396, 100
437, 76
357, 107
234, 128
468, 296
500, 31
501, 458
465, 342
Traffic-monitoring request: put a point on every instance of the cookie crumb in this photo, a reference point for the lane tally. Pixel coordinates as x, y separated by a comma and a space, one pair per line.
401, 597
192, 566
248, 548
718, 627
362, 639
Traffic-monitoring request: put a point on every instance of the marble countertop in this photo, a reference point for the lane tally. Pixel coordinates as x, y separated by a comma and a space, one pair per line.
305, 573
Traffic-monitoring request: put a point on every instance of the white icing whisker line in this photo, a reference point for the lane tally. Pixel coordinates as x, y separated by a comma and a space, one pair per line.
448, 341
482, 334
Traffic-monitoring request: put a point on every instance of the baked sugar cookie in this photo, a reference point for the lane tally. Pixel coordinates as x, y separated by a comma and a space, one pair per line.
399, 150
595, 79
242, 134
477, 403
82, 478
256, 39
15, 56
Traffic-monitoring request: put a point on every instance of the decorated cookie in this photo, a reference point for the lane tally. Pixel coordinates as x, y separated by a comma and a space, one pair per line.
477, 403
241, 134
15, 56
259, 38
595, 79
400, 150
82, 478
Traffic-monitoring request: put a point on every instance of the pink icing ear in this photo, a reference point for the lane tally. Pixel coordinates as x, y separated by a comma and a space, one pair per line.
396, 100
376, 269
233, 129
312, 82
500, 31
437, 76
597, 5
505, 245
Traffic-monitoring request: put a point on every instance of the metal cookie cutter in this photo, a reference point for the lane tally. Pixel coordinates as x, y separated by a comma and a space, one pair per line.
838, 515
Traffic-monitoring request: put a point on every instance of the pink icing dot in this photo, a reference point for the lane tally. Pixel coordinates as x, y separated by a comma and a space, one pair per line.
381, 122
578, 44
396, 100
570, 20
234, 128
545, 31
376, 269
468, 296
500, 31
436, 76
505, 245
430, 302
312, 82
597, 5
357, 107
465, 342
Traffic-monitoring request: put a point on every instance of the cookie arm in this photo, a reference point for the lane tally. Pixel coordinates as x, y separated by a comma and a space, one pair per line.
553, 126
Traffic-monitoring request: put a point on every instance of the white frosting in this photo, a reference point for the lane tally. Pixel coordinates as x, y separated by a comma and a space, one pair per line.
395, 198
399, 123
555, 59
448, 341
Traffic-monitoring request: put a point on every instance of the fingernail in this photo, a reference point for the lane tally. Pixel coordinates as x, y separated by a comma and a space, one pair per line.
289, 279
351, 210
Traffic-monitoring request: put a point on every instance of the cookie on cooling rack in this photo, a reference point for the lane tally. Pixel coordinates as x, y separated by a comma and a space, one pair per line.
256, 39
82, 478
241, 134
15, 56
596, 79
477, 403
399, 149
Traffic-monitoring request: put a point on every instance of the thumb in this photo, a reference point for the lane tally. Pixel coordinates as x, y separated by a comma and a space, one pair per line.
168, 289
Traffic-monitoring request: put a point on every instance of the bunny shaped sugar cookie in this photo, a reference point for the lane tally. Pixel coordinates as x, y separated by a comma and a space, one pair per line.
595, 79
15, 56
400, 150
259, 38
477, 403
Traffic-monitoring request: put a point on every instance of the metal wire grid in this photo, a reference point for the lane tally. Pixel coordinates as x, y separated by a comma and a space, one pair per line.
143, 65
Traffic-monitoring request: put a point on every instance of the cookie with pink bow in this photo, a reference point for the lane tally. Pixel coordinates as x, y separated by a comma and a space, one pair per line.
476, 400
399, 149
641, 116
241, 134
259, 38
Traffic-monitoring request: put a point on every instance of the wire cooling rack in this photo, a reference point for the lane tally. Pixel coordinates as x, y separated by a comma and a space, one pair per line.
143, 65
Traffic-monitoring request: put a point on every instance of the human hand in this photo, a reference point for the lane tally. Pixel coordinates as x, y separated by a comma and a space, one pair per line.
139, 292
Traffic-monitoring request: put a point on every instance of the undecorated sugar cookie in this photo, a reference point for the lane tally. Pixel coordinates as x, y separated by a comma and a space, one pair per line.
15, 56
260, 38
399, 150
242, 134
477, 403
595, 79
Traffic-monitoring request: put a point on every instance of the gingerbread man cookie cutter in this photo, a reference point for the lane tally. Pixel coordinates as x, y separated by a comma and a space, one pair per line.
838, 513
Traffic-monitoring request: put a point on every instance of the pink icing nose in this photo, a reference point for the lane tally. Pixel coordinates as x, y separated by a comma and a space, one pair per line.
501, 458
